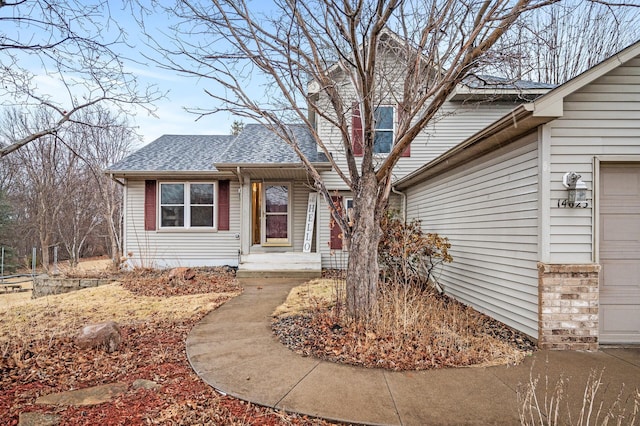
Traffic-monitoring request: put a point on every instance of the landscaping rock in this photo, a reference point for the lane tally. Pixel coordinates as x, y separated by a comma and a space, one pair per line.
146, 384
182, 273
38, 419
104, 335
82, 397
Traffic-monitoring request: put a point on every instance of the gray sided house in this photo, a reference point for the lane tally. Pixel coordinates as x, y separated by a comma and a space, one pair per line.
216, 200
247, 201
564, 271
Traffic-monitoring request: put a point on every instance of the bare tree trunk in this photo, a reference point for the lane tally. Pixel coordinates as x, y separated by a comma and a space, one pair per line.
114, 232
362, 272
44, 244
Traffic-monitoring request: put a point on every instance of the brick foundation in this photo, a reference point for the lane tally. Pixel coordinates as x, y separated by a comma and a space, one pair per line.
568, 306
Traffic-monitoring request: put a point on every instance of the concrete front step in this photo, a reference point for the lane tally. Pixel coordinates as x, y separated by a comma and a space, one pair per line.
307, 274
280, 265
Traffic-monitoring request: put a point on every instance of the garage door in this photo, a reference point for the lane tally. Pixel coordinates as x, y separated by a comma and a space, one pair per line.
620, 253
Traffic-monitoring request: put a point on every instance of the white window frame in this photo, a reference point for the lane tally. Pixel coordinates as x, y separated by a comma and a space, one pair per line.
392, 129
187, 206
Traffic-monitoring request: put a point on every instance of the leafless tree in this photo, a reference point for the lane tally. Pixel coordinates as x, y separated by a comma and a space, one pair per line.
39, 185
78, 218
73, 45
106, 142
565, 39
57, 186
335, 59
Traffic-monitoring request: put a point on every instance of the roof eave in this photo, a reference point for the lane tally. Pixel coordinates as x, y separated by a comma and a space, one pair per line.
502, 132
320, 166
552, 103
164, 173
464, 93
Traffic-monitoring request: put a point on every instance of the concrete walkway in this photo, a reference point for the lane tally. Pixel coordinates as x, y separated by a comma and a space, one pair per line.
234, 350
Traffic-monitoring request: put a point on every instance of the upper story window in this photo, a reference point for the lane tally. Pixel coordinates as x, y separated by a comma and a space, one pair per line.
187, 205
383, 138
384, 131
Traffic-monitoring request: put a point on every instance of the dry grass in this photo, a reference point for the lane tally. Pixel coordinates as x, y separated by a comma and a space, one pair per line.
545, 403
311, 295
410, 329
65, 314
406, 314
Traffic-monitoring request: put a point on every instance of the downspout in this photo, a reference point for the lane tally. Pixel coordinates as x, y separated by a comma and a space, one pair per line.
241, 181
240, 178
115, 179
404, 203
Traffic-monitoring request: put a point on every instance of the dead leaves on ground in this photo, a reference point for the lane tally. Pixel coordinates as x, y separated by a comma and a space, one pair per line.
150, 282
152, 349
483, 341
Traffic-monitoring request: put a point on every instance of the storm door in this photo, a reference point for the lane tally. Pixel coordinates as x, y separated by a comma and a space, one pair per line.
276, 214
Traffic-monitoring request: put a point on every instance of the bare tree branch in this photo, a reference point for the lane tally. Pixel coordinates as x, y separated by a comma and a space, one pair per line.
77, 46
325, 62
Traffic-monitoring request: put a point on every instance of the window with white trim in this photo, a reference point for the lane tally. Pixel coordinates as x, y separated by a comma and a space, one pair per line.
383, 137
187, 205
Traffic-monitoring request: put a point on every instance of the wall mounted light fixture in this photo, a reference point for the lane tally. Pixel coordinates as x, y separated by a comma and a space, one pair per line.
576, 189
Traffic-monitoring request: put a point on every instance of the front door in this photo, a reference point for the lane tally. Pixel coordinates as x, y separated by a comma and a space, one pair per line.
270, 214
620, 253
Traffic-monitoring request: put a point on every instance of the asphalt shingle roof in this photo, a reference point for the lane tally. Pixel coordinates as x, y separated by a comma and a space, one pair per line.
177, 153
258, 145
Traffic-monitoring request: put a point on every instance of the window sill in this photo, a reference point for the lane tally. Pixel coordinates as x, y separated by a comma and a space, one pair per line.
178, 230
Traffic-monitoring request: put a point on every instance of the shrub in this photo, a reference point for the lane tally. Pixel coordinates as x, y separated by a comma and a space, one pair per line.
407, 255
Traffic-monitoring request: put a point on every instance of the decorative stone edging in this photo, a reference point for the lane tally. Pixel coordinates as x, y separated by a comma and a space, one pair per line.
44, 285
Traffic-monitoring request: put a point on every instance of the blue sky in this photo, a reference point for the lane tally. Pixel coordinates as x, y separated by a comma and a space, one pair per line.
181, 91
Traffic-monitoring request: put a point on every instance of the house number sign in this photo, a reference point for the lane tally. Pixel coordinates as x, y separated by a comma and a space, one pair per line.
311, 215
569, 205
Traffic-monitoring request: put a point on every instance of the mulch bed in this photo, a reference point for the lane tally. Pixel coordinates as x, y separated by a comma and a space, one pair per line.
151, 349
321, 335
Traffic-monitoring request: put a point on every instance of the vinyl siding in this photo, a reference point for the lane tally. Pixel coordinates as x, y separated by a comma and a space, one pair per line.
602, 118
489, 211
163, 248
455, 122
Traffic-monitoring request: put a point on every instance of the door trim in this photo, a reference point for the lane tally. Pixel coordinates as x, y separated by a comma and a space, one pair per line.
264, 241
595, 218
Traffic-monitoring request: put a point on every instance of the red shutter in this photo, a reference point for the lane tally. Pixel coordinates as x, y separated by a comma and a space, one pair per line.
407, 151
150, 205
223, 205
336, 233
356, 130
